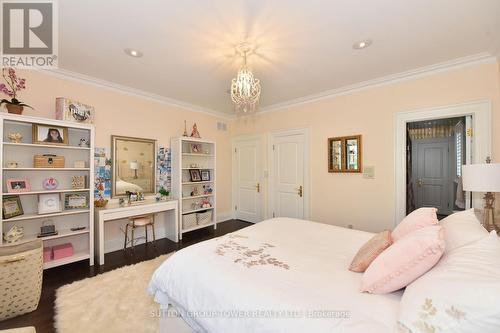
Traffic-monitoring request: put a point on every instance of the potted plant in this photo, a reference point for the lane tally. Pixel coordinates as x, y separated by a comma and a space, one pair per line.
11, 89
163, 193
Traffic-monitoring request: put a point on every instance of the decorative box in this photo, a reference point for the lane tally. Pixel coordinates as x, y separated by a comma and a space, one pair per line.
62, 251
204, 218
74, 111
47, 254
188, 221
48, 161
79, 164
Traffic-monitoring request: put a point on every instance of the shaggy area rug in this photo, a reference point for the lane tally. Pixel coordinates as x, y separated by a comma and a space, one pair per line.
116, 301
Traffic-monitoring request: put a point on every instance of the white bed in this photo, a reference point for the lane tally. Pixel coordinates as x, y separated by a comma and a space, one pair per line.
298, 269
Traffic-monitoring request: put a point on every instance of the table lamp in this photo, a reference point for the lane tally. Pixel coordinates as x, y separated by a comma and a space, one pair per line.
134, 166
484, 178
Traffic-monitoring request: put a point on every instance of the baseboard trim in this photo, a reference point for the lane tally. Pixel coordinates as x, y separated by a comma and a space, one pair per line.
221, 217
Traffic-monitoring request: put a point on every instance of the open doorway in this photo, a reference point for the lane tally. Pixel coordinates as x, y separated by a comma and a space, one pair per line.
436, 150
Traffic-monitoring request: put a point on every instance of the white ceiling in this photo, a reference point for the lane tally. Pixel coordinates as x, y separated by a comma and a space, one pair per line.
303, 47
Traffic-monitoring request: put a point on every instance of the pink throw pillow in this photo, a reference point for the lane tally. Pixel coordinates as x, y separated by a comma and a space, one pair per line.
370, 250
418, 219
404, 261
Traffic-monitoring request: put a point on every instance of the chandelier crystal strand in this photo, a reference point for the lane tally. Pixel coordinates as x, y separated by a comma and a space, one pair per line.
245, 89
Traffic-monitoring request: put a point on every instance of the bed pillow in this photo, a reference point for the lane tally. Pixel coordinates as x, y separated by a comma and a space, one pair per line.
418, 219
460, 294
404, 261
461, 229
370, 250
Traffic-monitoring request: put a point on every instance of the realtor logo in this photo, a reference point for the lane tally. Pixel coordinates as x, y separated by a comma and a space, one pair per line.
29, 34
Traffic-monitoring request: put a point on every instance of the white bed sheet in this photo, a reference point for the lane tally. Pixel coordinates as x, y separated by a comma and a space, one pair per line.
221, 287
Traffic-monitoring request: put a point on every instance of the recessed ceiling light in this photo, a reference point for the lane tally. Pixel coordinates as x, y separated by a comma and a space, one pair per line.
133, 53
362, 44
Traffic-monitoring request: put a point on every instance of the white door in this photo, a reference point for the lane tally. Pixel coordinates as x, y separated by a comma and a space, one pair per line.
247, 188
288, 174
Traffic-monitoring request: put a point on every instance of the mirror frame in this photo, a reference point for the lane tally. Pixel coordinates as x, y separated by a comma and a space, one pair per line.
115, 138
343, 154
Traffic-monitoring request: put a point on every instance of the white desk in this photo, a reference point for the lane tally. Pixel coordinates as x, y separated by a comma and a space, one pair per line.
115, 212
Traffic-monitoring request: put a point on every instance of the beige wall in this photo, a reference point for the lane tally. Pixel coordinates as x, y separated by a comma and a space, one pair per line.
349, 199
335, 199
123, 114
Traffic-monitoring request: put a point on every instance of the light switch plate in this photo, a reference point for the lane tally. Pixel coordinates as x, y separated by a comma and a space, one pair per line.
369, 172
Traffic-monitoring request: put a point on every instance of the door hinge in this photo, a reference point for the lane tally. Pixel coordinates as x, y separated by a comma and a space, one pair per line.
469, 132
273, 147
235, 150
274, 215
235, 207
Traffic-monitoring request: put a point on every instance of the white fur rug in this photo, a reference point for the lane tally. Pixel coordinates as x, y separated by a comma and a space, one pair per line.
116, 301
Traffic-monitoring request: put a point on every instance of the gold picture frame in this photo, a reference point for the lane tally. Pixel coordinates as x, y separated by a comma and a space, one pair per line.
12, 207
50, 135
345, 154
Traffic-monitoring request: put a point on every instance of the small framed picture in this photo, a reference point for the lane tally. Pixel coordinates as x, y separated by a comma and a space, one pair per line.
195, 175
49, 203
12, 207
205, 175
195, 148
76, 201
17, 185
47, 134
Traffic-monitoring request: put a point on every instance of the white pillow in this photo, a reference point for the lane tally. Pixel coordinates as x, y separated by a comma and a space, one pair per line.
461, 229
460, 294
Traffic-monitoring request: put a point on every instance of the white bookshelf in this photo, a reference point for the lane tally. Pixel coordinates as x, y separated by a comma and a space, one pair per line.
23, 152
183, 161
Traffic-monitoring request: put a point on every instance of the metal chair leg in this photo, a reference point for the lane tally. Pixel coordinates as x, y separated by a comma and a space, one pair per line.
146, 232
153, 227
126, 235
132, 239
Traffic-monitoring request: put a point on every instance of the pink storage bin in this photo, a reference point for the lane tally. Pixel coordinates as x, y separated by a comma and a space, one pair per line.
47, 254
62, 251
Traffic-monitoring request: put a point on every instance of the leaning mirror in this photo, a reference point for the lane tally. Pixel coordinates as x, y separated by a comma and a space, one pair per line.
133, 165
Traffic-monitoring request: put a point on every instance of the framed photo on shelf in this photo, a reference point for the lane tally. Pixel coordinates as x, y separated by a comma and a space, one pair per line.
48, 134
49, 203
195, 148
18, 185
76, 201
195, 175
12, 207
205, 175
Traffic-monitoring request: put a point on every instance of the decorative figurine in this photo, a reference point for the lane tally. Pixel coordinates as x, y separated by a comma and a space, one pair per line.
185, 130
14, 234
205, 203
194, 192
84, 143
194, 132
15, 137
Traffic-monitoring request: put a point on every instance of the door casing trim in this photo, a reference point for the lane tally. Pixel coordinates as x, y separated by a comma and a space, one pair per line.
481, 147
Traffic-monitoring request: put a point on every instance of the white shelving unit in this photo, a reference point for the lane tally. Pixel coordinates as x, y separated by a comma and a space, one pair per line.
23, 152
184, 160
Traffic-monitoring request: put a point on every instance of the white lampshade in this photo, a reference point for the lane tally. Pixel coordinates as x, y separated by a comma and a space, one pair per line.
134, 165
481, 177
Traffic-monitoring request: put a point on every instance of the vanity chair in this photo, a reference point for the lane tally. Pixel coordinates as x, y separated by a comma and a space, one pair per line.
139, 222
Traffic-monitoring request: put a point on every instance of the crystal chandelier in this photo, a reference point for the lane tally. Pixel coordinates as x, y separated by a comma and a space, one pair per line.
245, 89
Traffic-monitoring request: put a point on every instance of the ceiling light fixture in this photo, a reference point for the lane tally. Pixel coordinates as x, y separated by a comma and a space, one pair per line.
362, 44
133, 53
245, 89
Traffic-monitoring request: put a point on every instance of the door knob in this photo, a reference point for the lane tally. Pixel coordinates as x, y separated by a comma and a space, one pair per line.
258, 187
420, 182
300, 191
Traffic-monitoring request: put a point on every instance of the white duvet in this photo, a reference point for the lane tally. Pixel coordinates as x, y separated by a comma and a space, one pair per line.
281, 275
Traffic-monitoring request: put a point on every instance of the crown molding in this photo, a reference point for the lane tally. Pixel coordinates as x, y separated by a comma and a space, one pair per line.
413, 74
90, 80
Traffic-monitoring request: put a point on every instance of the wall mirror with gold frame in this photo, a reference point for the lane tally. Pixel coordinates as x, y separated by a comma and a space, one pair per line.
134, 165
345, 154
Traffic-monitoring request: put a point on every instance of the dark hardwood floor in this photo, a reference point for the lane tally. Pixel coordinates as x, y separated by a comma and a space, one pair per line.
42, 318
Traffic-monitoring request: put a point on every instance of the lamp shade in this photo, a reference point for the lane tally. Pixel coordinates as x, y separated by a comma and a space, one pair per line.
134, 165
481, 177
